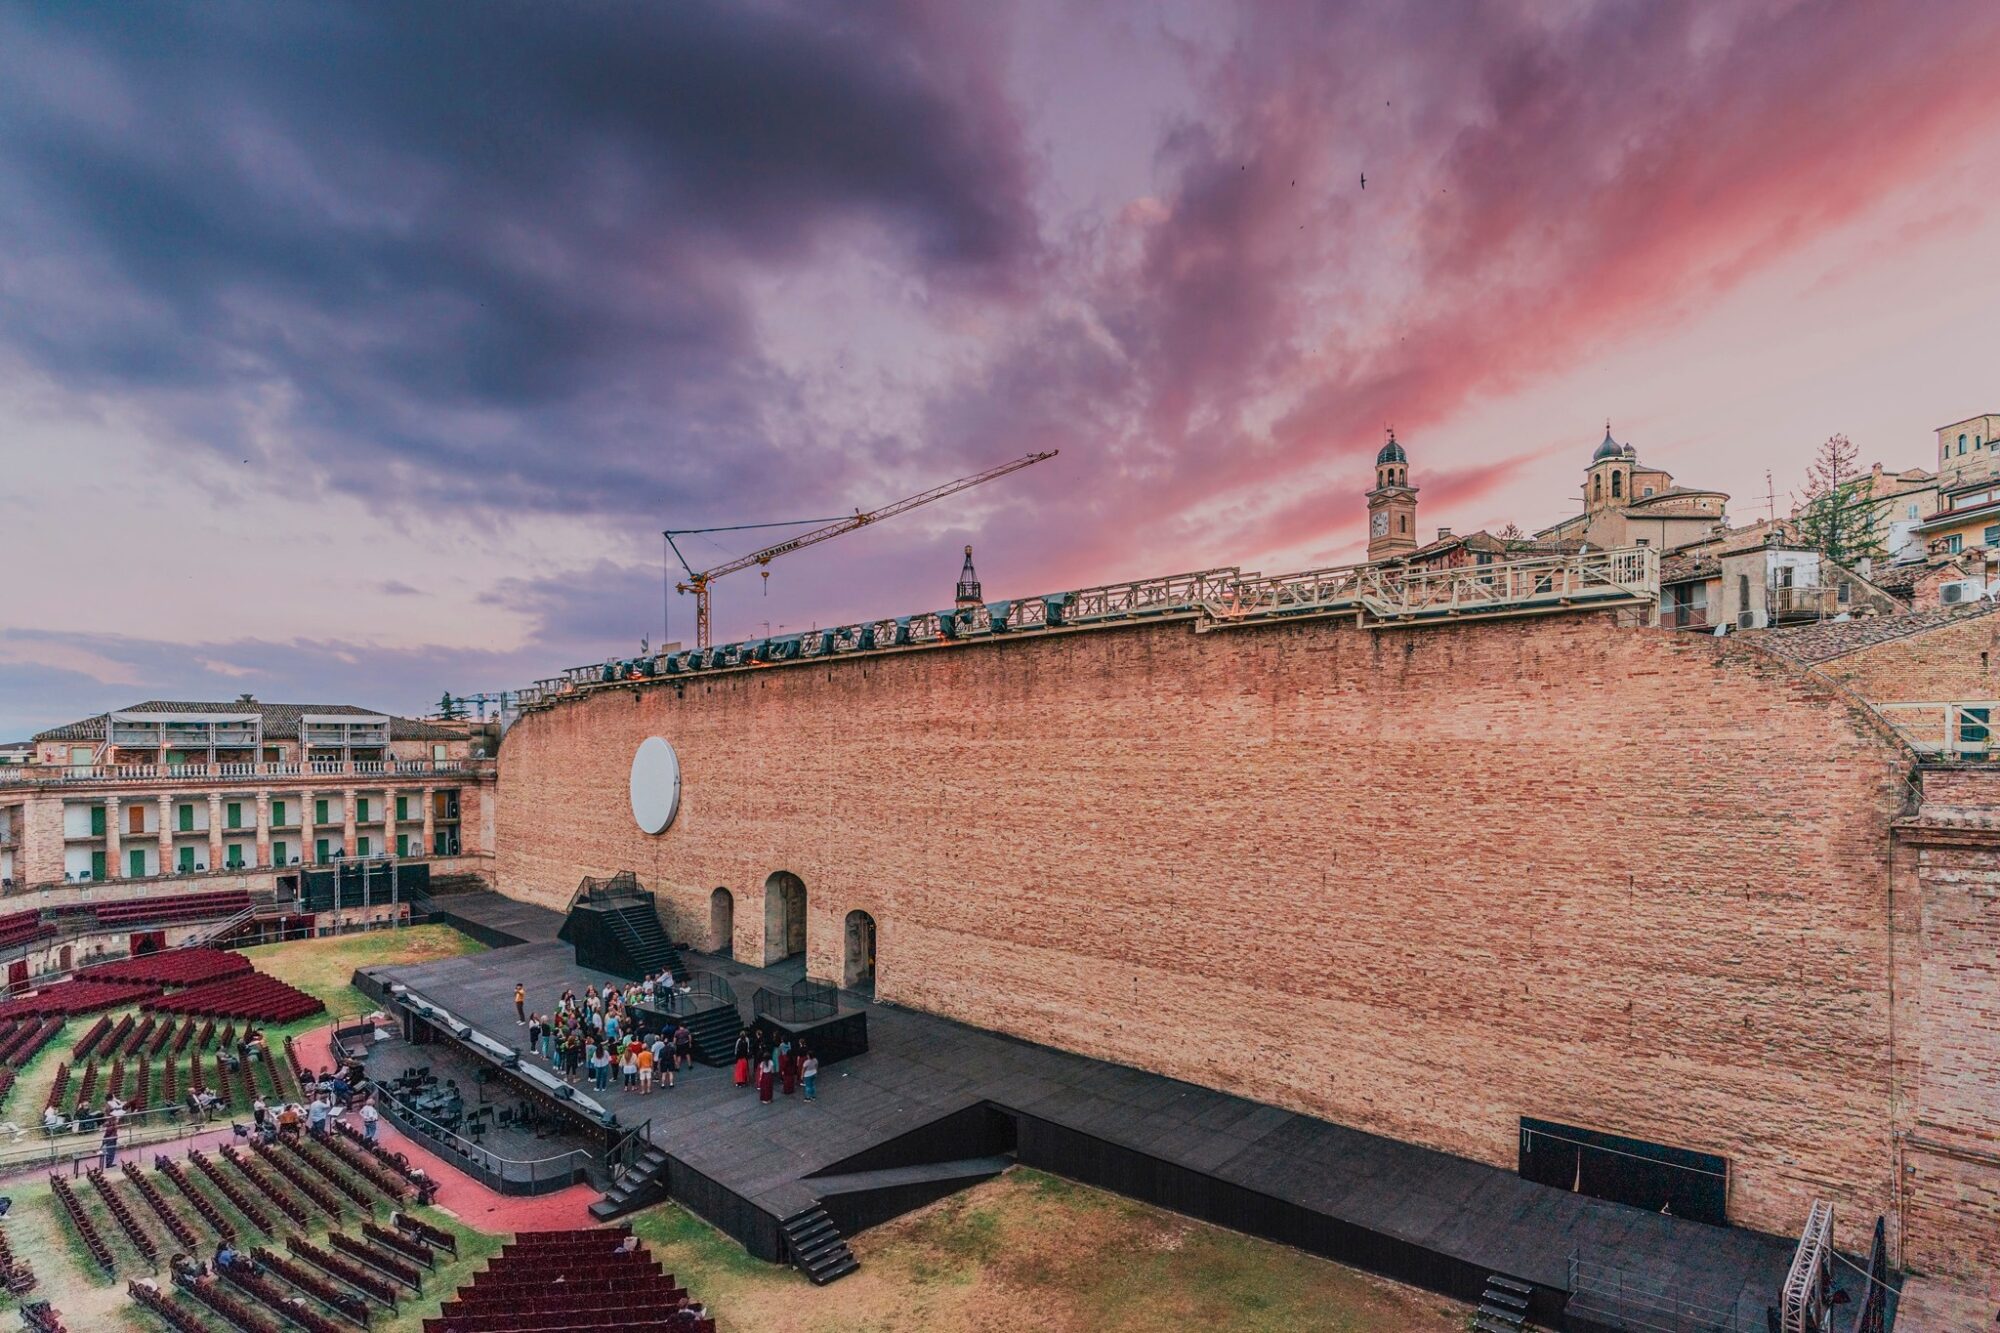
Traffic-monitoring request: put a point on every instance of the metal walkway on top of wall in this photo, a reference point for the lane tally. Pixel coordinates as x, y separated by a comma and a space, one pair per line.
1376, 596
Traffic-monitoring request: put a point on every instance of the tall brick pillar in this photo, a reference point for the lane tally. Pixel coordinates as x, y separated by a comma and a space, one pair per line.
114, 845
347, 823
430, 819
389, 821
263, 824
215, 830
308, 830
166, 834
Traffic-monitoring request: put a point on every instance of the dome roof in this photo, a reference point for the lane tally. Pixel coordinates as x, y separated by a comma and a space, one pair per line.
1609, 449
1391, 453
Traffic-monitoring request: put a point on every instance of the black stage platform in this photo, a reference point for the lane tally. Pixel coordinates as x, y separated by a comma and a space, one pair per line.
930, 1093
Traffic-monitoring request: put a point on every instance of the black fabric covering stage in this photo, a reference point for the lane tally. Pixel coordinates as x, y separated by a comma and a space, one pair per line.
930, 1092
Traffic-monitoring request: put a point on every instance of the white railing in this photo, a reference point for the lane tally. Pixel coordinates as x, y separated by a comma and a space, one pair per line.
1379, 595
1946, 731
192, 774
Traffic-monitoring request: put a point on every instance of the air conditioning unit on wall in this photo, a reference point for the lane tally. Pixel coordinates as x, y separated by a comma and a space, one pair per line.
1960, 591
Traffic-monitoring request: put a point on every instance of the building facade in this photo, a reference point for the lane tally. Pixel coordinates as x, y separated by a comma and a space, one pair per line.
183, 791
1626, 503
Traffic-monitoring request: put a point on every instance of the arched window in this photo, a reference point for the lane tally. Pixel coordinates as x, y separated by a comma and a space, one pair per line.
1617, 484
1402, 522
1597, 487
1961, 444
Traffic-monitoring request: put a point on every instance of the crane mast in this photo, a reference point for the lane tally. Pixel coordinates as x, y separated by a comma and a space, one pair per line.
698, 581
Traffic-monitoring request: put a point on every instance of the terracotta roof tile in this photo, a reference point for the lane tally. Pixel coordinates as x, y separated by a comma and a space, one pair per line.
1810, 644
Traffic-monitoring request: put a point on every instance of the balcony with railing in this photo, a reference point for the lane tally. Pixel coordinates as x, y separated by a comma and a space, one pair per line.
1787, 605
17, 775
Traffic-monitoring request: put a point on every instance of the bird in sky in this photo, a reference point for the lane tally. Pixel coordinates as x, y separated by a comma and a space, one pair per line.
1364, 180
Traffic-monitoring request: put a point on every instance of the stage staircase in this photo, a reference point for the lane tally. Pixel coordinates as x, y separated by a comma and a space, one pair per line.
643, 1184
637, 928
714, 1032
1503, 1307
816, 1246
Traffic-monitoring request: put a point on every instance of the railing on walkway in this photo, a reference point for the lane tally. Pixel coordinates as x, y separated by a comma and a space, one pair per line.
1945, 731
77, 1150
1378, 595
504, 1175
808, 1001
31, 774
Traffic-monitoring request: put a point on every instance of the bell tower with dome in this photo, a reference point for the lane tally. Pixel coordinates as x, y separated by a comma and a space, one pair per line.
1392, 505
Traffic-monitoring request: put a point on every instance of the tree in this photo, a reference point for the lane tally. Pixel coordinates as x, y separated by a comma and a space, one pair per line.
450, 709
1839, 517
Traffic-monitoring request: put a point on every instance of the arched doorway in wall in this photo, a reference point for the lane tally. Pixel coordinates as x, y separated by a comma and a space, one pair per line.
784, 917
859, 972
722, 923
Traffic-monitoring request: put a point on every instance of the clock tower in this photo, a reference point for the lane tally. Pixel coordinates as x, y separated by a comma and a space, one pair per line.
1392, 505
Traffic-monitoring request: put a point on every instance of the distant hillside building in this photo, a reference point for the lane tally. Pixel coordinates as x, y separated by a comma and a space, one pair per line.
1626, 503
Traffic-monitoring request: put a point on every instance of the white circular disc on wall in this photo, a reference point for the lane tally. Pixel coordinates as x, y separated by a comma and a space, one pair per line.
656, 785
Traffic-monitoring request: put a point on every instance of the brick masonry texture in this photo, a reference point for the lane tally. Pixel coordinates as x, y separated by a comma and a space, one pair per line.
1419, 882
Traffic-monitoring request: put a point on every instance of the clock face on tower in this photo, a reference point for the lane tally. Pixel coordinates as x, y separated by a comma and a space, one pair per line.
1378, 524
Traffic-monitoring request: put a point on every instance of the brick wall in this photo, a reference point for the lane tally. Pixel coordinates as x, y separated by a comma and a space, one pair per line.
1948, 1026
1954, 663
1422, 882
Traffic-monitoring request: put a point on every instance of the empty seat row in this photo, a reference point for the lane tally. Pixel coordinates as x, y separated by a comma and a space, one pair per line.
171, 908
173, 967
254, 996
68, 998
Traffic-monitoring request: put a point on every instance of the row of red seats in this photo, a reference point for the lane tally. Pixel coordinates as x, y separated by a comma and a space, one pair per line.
255, 996
588, 1293
22, 927
558, 1320
26, 1040
171, 908
173, 967
69, 998
176, 1225
567, 1280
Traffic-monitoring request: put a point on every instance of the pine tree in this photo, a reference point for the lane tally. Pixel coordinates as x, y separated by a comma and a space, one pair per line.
1839, 516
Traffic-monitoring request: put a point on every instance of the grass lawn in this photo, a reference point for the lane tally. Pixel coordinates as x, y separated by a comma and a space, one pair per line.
325, 967
1034, 1251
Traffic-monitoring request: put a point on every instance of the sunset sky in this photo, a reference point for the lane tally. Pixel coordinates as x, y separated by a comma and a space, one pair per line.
360, 353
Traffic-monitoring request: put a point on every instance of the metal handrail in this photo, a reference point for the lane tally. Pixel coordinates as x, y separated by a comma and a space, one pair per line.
492, 1168
50, 1149
1220, 598
807, 1001
703, 991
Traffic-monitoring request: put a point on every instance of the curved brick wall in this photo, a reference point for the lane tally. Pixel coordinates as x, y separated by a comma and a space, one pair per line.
1422, 882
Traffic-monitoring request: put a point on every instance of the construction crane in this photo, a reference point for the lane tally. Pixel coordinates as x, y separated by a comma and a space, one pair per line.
698, 581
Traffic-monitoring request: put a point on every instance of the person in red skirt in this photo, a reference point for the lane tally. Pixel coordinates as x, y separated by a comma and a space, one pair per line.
767, 1076
743, 1051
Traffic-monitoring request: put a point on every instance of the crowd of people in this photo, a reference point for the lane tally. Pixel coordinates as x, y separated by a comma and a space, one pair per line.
768, 1066
599, 1037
